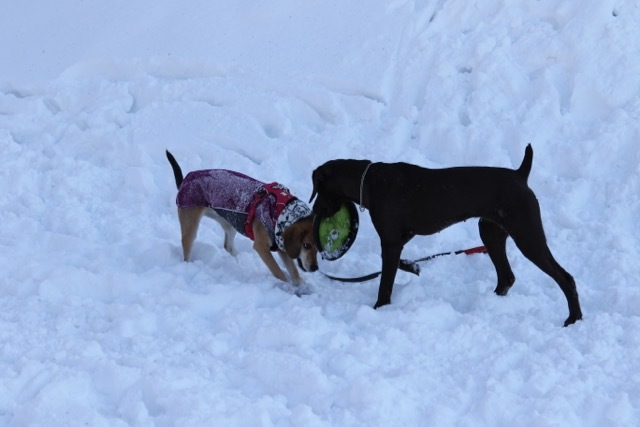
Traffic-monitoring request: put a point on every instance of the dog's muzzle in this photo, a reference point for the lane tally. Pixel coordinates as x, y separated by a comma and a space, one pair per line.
310, 269
325, 206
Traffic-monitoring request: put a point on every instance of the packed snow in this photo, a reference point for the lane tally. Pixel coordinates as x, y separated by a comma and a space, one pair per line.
103, 324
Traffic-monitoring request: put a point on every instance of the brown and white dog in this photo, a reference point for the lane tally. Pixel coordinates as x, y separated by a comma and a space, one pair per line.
268, 214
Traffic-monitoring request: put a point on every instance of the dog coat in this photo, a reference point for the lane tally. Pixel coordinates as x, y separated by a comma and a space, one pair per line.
240, 199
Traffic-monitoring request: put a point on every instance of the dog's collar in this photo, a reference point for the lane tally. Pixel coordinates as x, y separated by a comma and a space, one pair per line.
294, 211
361, 207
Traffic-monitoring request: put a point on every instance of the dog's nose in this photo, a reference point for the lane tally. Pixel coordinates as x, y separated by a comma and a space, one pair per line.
313, 268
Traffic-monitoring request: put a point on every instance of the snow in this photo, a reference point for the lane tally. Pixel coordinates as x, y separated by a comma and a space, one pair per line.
102, 324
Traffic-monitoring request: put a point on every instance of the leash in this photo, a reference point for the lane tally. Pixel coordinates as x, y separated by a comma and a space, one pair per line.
409, 266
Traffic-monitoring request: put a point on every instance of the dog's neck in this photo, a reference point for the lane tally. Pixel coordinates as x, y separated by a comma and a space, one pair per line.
356, 184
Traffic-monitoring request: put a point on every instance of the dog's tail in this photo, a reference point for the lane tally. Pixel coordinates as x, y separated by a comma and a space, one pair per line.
177, 172
525, 167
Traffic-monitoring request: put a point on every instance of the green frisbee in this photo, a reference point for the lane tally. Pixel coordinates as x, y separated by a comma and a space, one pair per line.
334, 235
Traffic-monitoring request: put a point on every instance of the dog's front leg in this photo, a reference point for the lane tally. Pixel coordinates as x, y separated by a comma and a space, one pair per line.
270, 262
291, 268
262, 245
390, 258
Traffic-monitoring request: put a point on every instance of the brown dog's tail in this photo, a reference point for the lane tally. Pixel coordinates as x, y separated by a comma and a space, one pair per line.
177, 172
525, 167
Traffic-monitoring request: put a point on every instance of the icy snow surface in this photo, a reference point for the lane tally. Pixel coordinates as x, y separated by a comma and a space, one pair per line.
102, 324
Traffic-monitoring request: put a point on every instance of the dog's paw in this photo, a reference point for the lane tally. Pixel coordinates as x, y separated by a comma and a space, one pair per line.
297, 290
303, 289
380, 303
231, 250
502, 290
409, 266
572, 319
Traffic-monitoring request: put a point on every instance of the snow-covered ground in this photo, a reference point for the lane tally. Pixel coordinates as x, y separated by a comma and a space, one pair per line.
102, 324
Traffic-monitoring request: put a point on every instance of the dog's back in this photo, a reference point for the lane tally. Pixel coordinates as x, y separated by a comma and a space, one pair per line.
213, 188
437, 198
217, 189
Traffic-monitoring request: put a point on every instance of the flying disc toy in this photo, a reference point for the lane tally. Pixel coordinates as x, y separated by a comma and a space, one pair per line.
334, 235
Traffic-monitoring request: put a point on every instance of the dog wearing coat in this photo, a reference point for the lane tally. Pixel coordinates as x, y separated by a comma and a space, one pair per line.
268, 214
405, 200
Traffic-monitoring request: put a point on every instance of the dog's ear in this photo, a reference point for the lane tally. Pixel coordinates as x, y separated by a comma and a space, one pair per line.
317, 177
292, 240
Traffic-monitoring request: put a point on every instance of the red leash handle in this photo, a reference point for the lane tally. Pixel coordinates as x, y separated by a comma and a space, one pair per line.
476, 250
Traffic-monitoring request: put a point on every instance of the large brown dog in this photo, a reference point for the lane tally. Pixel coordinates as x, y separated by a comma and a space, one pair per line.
267, 213
405, 200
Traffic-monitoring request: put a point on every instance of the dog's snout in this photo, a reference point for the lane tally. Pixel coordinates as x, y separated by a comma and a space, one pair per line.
310, 268
326, 207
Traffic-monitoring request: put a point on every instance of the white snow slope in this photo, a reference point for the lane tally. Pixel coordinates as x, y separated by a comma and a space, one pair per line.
102, 324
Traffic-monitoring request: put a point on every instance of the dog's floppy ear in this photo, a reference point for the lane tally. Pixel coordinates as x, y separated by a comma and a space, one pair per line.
316, 178
292, 240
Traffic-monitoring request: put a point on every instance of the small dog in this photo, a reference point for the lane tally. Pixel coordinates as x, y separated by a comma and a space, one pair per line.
405, 200
266, 213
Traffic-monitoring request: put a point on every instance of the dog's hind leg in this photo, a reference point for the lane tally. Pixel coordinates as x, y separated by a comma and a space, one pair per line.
531, 241
230, 239
189, 222
494, 239
229, 231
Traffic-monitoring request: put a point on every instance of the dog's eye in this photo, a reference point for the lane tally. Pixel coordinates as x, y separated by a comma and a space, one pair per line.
307, 246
